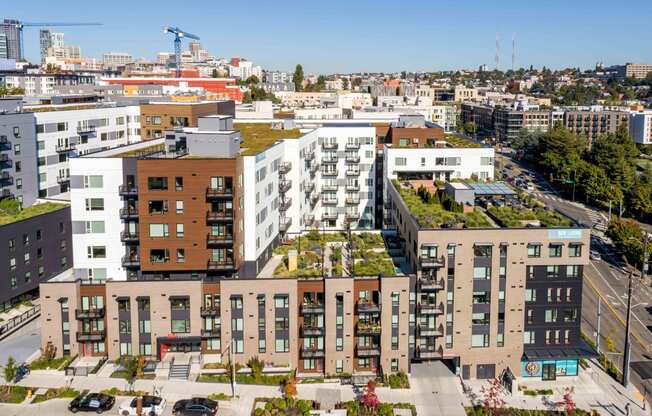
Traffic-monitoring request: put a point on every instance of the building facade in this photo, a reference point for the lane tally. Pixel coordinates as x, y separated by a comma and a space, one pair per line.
593, 124
640, 127
156, 117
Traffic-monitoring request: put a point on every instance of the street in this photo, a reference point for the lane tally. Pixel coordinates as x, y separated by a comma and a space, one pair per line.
21, 344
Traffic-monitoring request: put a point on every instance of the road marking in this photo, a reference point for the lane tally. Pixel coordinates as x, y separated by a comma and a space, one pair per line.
617, 315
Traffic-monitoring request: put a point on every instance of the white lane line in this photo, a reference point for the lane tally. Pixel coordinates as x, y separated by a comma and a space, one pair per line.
616, 293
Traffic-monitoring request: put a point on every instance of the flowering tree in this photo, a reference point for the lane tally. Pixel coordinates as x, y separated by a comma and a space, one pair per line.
290, 389
493, 401
369, 398
567, 403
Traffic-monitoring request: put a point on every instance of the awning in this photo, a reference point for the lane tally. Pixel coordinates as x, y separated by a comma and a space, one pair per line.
483, 244
179, 340
583, 350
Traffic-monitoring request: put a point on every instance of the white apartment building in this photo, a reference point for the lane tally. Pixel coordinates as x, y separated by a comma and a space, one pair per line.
115, 59
66, 133
640, 127
351, 100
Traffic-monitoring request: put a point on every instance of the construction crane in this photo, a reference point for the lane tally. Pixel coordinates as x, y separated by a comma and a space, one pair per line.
21, 25
178, 34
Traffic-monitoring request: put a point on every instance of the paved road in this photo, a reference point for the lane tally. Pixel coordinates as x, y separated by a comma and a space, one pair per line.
434, 391
22, 343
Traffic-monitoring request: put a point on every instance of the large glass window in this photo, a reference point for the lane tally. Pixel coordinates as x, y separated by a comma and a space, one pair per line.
157, 183
481, 272
574, 250
534, 250
158, 230
180, 326
479, 340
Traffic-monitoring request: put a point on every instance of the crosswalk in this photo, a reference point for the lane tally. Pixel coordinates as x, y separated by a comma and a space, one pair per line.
548, 196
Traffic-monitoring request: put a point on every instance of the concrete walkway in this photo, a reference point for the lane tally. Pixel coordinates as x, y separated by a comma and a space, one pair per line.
433, 390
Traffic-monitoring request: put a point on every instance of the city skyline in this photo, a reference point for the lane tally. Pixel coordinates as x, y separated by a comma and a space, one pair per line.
280, 35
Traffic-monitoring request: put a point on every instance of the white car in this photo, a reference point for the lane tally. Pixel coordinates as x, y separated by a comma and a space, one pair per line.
594, 255
152, 406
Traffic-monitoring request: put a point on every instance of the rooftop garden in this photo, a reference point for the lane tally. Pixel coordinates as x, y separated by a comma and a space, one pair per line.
438, 210
257, 137
10, 210
529, 211
457, 141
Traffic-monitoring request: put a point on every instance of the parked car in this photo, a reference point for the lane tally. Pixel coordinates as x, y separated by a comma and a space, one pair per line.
152, 406
594, 255
195, 407
529, 187
93, 402
21, 372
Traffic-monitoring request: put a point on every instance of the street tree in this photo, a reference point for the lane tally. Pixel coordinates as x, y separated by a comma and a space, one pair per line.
297, 78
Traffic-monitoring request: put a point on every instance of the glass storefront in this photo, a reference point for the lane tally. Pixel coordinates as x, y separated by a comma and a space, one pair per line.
549, 369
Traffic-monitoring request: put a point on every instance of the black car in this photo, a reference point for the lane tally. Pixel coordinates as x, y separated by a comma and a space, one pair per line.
93, 402
195, 407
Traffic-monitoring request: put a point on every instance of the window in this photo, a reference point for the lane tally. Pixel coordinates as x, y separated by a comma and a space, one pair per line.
339, 344
39, 234
159, 255
16, 149
573, 271
180, 326
480, 318
179, 207
125, 348
238, 346
157, 183
12, 244
145, 326
93, 181
18, 166
528, 337
178, 183
530, 295
570, 315
158, 230
236, 324
12, 263
179, 230
94, 227
281, 302
96, 252
26, 258
481, 297
64, 262
555, 250
479, 340
400, 161
552, 271
339, 366
181, 255
282, 345
94, 204
482, 273
551, 315
574, 250
125, 327
261, 346
146, 349
482, 250
534, 250
157, 207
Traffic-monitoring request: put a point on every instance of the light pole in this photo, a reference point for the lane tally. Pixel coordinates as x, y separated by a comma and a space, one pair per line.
230, 348
626, 354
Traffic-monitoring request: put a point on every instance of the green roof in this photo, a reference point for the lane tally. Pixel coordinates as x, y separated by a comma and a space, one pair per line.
257, 137
30, 212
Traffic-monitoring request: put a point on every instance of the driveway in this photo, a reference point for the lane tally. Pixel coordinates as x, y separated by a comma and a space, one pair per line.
22, 343
434, 390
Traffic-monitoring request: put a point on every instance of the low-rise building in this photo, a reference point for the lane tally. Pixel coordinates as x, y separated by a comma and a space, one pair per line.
640, 127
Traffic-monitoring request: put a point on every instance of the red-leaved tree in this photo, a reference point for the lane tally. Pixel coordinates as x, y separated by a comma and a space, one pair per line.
369, 398
493, 401
567, 403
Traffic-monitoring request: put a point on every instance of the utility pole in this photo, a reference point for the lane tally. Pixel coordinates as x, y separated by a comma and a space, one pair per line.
597, 338
574, 181
627, 351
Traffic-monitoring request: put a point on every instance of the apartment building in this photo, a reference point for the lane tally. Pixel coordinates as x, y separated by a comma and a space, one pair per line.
156, 117
508, 122
594, 123
463, 93
45, 84
481, 115
68, 131
639, 71
36, 246
505, 296
18, 172
640, 127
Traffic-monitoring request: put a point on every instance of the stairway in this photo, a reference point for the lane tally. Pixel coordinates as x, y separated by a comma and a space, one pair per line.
179, 372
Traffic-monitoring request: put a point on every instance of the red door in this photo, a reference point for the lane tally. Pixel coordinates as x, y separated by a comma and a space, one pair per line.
164, 350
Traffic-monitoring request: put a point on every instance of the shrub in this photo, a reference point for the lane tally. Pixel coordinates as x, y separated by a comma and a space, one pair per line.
398, 381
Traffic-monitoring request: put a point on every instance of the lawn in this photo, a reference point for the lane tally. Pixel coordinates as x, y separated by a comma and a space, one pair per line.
32, 211
432, 214
479, 411
513, 216
61, 393
54, 364
265, 380
16, 395
123, 374
457, 141
114, 391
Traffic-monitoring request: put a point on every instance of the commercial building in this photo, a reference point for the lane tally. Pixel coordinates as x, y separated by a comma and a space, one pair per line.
18, 172
116, 59
509, 121
594, 123
156, 117
640, 127
36, 246
49, 39
224, 88
9, 27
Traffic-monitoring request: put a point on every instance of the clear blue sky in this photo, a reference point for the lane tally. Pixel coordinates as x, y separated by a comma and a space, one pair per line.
360, 35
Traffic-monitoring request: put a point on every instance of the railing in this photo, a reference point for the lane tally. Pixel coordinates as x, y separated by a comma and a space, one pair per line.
63, 179
329, 145
312, 308
368, 307
329, 172
308, 219
329, 201
312, 353
128, 212
16, 322
372, 351
284, 186
428, 353
128, 190
284, 224
352, 172
89, 313
351, 216
219, 216
222, 192
309, 156
352, 201
131, 261
431, 261
368, 329
309, 187
329, 188
352, 159
352, 187
90, 336
352, 146
285, 204
219, 239
211, 333
209, 311
86, 129
329, 160
425, 331
431, 284
312, 331
220, 265
285, 167
129, 236
329, 215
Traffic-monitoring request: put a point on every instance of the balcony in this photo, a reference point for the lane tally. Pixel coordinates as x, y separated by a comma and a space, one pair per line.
211, 333
219, 193
86, 129
431, 309
284, 186
285, 204
425, 331
368, 328
431, 262
309, 187
351, 216
326, 216
308, 219
219, 240
219, 216
5, 162
6, 193
314, 168
352, 187
285, 167
311, 331
90, 336
368, 351
352, 159
365, 306
65, 147
329, 188
313, 199
430, 285
129, 213
131, 261
221, 264
284, 224
352, 201
209, 311
329, 145
89, 313
426, 354
4, 143
326, 160
329, 173
352, 146
128, 190
353, 172
312, 308
329, 201
129, 236
63, 179
309, 156
312, 353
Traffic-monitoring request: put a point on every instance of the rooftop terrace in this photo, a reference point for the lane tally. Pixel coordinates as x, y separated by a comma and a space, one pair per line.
257, 137
10, 216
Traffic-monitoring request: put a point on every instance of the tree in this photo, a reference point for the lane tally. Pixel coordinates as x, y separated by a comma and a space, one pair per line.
10, 370
370, 399
357, 81
469, 127
493, 401
297, 78
345, 83
615, 153
252, 80
567, 403
215, 74
133, 367
628, 237
561, 152
290, 388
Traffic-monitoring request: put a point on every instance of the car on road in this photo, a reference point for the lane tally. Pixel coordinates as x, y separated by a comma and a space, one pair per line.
195, 407
151, 405
529, 187
93, 402
594, 255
